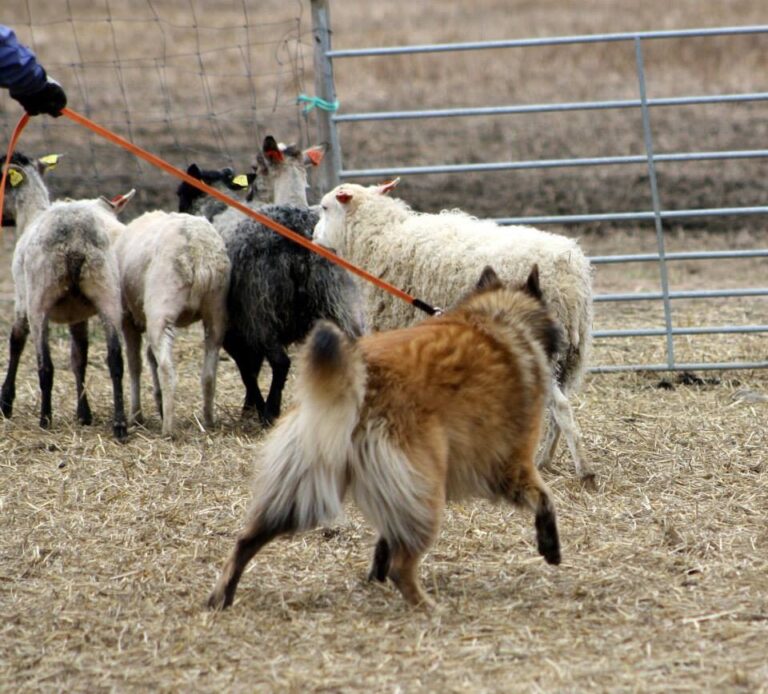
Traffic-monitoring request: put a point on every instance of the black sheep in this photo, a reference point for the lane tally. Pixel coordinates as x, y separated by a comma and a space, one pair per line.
278, 290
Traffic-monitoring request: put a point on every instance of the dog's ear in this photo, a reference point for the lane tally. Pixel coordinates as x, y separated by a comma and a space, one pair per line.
532, 285
489, 279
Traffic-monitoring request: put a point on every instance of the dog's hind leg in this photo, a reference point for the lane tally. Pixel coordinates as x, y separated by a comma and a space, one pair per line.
258, 533
403, 571
382, 558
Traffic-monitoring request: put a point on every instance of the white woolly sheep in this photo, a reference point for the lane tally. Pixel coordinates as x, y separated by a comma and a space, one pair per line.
65, 271
437, 257
174, 271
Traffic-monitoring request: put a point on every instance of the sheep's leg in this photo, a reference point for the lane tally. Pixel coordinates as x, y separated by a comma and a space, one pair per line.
132, 336
382, 558
161, 335
248, 364
115, 364
257, 534
280, 362
549, 445
562, 412
156, 392
213, 326
18, 339
78, 357
38, 326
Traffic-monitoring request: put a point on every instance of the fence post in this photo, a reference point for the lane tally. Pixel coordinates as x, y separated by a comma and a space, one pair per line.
328, 175
648, 137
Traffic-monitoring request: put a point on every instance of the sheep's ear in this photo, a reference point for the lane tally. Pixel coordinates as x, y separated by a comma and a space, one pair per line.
260, 165
388, 187
15, 176
194, 171
117, 203
48, 162
314, 155
532, 285
343, 197
489, 279
240, 181
252, 187
272, 150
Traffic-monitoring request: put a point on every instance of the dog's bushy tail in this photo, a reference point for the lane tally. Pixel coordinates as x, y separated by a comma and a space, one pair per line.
330, 390
304, 475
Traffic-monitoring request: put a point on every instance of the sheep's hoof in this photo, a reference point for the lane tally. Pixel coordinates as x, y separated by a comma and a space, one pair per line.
84, 416
120, 431
6, 407
588, 481
218, 600
266, 419
45, 421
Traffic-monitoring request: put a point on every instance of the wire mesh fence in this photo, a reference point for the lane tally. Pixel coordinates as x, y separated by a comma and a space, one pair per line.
190, 80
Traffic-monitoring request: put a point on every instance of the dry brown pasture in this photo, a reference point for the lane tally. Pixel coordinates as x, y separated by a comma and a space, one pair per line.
108, 551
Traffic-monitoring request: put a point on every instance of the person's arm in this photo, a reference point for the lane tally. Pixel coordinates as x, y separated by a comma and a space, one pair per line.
26, 79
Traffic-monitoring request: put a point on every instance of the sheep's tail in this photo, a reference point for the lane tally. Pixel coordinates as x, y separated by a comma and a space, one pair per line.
74, 261
305, 460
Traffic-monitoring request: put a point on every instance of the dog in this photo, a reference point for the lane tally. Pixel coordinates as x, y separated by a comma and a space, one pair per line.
405, 420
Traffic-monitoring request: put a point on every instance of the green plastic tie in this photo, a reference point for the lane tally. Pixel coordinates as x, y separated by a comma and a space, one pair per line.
315, 101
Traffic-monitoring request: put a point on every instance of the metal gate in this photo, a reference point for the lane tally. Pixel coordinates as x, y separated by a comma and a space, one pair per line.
333, 172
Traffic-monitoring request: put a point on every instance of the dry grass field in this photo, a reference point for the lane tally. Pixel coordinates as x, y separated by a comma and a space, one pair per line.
108, 551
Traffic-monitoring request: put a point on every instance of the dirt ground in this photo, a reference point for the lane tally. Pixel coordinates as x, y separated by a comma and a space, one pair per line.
109, 551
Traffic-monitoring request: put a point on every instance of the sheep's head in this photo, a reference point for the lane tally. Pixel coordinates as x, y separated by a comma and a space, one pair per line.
283, 169
22, 172
275, 157
221, 179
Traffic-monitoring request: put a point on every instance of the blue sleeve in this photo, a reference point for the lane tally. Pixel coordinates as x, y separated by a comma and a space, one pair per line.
19, 70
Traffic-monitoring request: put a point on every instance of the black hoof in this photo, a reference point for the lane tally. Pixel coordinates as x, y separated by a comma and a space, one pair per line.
120, 431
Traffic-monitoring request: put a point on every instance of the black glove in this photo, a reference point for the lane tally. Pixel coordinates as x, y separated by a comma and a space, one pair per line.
50, 99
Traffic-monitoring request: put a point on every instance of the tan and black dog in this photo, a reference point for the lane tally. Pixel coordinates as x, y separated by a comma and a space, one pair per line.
406, 419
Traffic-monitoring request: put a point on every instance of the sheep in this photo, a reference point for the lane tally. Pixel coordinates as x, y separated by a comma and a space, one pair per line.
283, 170
279, 175
65, 271
174, 271
194, 201
436, 256
277, 291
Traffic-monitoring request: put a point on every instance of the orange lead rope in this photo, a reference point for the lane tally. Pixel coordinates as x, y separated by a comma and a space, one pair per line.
263, 219
7, 163
178, 173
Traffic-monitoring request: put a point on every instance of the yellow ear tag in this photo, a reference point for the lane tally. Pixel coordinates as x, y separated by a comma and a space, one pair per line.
241, 180
15, 177
50, 160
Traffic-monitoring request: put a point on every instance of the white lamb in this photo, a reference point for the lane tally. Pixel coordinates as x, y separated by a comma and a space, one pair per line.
174, 271
436, 257
65, 271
